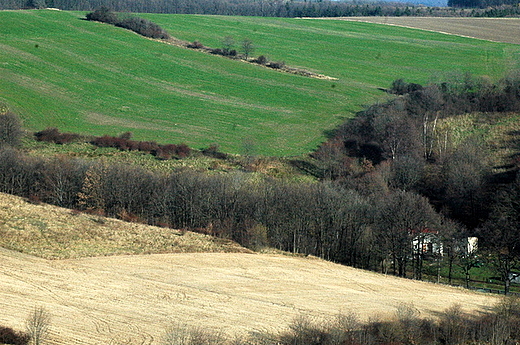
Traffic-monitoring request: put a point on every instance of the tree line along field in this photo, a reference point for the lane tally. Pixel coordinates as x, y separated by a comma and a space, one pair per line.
92, 78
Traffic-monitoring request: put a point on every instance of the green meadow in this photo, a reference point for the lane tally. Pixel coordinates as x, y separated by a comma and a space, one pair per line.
57, 70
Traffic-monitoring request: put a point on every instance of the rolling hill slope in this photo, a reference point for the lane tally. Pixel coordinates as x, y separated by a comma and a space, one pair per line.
133, 299
58, 70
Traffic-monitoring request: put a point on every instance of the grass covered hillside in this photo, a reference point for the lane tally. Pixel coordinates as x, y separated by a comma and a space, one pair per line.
57, 70
53, 232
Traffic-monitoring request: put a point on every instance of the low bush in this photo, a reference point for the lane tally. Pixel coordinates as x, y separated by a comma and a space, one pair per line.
123, 143
276, 64
261, 60
217, 51
53, 135
172, 151
143, 27
213, 151
195, 45
10, 336
186, 335
104, 15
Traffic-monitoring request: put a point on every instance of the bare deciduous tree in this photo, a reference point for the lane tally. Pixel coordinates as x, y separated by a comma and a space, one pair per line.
227, 44
10, 129
37, 326
247, 47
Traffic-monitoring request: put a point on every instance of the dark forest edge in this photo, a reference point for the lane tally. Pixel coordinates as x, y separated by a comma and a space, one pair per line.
393, 173
290, 9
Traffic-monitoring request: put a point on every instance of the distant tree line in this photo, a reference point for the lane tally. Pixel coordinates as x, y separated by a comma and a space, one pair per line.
281, 8
481, 3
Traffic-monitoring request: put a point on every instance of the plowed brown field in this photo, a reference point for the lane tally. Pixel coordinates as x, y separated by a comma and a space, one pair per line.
492, 29
134, 299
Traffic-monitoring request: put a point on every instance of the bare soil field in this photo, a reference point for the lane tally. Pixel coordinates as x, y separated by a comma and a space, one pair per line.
134, 299
505, 30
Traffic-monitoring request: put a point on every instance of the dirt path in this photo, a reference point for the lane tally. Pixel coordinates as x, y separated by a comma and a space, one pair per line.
133, 299
505, 30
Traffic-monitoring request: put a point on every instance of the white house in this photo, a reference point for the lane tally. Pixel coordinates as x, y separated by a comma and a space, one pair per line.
428, 242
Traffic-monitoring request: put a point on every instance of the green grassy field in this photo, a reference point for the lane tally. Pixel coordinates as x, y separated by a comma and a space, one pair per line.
57, 70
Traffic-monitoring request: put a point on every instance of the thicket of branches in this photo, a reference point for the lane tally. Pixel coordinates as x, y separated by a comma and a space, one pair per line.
452, 327
141, 26
409, 144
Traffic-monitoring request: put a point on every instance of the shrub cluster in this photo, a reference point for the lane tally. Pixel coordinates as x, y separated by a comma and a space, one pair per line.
246, 49
167, 151
452, 327
141, 26
53, 135
195, 45
123, 142
230, 53
12, 337
213, 151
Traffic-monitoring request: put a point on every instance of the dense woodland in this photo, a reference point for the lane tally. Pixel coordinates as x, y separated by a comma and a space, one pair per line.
280, 8
396, 170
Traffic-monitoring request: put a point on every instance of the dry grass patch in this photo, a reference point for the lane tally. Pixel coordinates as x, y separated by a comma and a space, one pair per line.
491, 29
57, 233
